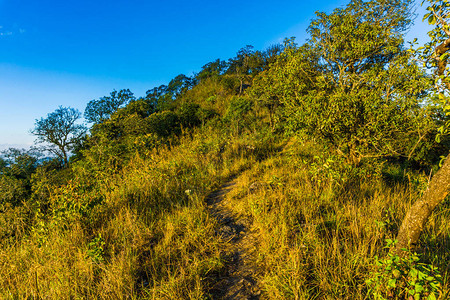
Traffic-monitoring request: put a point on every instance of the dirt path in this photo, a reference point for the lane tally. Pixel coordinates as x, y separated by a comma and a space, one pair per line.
239, 279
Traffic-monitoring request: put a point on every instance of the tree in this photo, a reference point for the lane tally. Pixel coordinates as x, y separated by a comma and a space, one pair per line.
247, 62
354, 85
292, 75
270, 54
436, 53
99, 110
16, 169
179, 85
156, 95
212, 69
59, 132
163, 97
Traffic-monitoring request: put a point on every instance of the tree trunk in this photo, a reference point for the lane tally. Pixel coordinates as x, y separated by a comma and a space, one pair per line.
418, 214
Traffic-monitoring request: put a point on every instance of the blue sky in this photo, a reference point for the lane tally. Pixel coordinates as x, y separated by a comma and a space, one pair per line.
69, 52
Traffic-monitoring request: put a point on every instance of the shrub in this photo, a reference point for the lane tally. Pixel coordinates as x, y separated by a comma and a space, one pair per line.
404, 278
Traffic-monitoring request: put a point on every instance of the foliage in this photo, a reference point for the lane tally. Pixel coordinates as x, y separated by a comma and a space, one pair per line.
95, 249
140, 107
99, 110
353, 84
439, 186
163, 97
127, 218
59, 132
212, 69
238, 113
404, 277
15, 174
188, 114
291, 76
436, 52
164, 124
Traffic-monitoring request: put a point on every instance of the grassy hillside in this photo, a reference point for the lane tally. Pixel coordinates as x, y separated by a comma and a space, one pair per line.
329, 144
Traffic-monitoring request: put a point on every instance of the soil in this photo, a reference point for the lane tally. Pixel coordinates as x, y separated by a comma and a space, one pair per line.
238, 280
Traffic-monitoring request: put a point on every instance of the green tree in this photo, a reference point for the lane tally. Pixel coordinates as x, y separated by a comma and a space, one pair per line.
247, 62
436, 53
99, 110
374, 87
354, 84
291, 76
163, 97
59, 132
16, 169
212, 69
177, 87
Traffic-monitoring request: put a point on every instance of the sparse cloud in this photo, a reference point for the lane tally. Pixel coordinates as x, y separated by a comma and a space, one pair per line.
8, 32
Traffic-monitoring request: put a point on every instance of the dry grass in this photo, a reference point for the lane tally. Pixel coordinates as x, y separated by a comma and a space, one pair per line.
144, 232
319, 233
141, 232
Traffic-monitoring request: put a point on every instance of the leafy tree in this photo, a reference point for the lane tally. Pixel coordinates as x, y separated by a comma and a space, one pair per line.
354, 84
237, 113
99, 110
156, 95
247, 62
59, 132
188, 115
291, 76
17, 167
212, 69
436, 53
163, 96
3, 165
19, 162
179, 85
374, 86
140, 107
271, 53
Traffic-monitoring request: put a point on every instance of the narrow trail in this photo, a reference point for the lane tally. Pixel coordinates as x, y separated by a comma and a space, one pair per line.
239, 279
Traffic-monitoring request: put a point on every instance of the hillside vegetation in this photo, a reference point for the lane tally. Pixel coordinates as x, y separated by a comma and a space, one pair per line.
329, 143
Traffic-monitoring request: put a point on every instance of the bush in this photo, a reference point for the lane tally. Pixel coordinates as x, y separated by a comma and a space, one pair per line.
404, 278
164, 124
237, 113
188, 115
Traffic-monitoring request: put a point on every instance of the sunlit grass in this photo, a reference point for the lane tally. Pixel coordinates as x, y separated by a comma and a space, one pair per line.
319, 234
144, 231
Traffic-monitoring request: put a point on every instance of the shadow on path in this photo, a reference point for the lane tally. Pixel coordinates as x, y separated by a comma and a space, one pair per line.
238, 281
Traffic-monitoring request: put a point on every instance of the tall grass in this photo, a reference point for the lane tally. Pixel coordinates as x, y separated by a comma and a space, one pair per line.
143, 231
322, 222
139, 232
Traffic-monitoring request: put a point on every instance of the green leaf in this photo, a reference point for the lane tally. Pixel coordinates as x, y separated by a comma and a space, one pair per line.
432, 20
418, 288
391, 283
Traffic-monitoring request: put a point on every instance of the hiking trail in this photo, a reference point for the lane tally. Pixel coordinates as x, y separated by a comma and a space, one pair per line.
238, 281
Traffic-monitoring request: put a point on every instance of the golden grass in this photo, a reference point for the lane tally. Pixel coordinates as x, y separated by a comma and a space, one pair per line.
141, 232
319, 234
144, 231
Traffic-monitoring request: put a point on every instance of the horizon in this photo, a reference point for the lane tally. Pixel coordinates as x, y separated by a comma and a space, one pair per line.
51, 59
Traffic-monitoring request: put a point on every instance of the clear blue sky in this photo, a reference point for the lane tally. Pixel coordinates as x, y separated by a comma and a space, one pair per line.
69, 52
